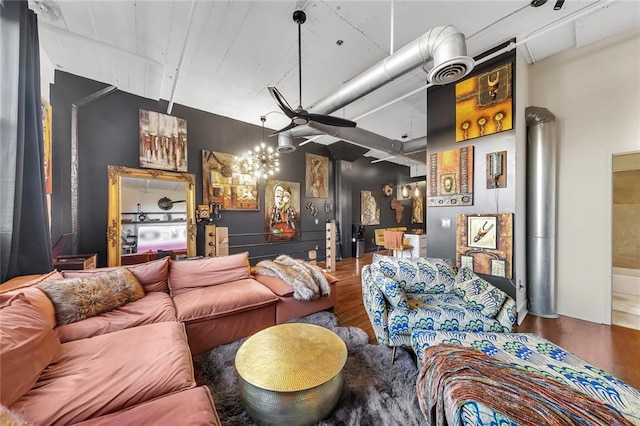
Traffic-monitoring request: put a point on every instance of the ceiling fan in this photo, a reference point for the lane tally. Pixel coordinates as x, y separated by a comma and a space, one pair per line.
300, 116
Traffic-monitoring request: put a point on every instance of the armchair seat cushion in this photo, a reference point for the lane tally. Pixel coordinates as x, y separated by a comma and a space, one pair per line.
439, 312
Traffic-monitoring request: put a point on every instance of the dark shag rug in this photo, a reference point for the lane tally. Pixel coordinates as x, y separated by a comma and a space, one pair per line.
375, 392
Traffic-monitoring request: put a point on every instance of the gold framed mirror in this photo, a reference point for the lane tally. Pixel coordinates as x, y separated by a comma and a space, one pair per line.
140, 221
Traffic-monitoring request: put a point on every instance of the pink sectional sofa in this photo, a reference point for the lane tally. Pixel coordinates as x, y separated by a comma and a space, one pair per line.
131, 365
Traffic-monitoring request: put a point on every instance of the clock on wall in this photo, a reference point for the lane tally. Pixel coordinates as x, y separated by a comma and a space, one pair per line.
387, 189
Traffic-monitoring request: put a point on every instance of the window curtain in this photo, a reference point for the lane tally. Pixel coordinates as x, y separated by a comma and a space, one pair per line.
25, 242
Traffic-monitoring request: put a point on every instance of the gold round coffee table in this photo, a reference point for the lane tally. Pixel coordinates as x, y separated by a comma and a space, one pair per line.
291, 373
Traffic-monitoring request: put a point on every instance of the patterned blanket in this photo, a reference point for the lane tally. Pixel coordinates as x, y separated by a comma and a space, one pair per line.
308, 280
453, 376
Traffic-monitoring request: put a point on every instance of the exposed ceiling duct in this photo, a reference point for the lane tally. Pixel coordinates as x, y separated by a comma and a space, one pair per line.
445, 45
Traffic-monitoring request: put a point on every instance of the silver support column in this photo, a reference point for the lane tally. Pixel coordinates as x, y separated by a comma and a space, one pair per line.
541, 211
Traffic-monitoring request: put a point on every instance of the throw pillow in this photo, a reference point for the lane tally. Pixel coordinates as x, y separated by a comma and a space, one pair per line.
390, 289
27, 346
76, 299
482, 296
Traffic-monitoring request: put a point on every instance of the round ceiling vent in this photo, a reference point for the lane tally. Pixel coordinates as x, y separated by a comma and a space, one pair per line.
285, 144
451, 70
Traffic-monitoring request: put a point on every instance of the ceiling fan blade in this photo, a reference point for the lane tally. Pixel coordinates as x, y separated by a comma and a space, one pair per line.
331, 120
282, 102
284, 129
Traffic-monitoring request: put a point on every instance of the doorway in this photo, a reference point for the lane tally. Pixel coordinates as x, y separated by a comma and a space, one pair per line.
625, 300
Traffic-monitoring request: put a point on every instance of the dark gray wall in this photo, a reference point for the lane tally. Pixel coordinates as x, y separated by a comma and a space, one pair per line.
441, 242
108, 135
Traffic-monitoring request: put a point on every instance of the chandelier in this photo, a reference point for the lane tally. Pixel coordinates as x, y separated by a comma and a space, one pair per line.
263, 160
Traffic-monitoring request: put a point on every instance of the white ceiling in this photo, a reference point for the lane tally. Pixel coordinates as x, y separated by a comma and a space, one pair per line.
220, 56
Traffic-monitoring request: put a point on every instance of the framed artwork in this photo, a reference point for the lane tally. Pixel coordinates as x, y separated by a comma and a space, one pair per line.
317, 174
451, 178
484, 243
282, 211
227, 180
163, 141
484, 104
417, 204
369, 210
47, 119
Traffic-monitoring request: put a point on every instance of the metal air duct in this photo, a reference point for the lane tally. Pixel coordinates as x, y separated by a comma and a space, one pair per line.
445, 45
541, 211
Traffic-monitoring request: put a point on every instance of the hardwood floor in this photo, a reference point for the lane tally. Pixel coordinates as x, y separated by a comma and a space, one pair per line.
613, 348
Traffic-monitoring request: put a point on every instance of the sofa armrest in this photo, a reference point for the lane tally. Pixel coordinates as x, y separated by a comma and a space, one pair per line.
375, 305
507, 315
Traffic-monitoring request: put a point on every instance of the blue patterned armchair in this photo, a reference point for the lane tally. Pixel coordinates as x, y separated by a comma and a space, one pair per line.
401, 295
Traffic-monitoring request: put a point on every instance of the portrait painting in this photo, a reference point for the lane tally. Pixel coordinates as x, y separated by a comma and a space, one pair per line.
369, 210
484, 104
451, 178
163, 141
484, 243
317, 176
228, 181
282, 211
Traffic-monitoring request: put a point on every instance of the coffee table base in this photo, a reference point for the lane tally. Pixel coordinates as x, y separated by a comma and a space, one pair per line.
304, 407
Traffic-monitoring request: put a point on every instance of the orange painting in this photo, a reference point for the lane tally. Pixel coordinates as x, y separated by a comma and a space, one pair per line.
484, 104
451, 178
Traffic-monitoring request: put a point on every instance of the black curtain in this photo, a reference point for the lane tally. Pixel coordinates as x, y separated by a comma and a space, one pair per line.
25, 222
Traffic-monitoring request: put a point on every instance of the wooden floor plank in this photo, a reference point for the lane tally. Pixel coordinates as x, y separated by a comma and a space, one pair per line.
614, 349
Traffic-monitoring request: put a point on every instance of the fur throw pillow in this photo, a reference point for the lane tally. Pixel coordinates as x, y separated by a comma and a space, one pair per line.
76, 299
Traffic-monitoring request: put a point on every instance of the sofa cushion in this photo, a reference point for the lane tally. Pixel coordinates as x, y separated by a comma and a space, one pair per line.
93, 377
193, 407
417, 275
78, 298
153, 275
25, 281
152, 308
27, 346
222, 299
481, 295
188, 274
390, 289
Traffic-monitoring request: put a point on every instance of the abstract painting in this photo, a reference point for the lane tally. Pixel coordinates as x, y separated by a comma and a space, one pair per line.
484, 243
369, 210
163, 141
228, 181
47, 119
317, 174
484, 104
451, 178
282, 211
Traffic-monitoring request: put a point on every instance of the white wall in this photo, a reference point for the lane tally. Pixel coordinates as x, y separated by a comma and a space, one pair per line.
594, 93
47, 71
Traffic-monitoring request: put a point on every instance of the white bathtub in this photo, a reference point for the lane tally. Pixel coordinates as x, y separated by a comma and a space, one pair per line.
626, 280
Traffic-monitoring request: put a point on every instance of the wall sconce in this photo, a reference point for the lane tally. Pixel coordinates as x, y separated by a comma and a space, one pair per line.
416, 192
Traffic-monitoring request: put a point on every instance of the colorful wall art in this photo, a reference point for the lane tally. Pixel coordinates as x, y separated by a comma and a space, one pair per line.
282, 207
163, 141
484, 104
484, 243
317, 176
227, 180
451, 178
